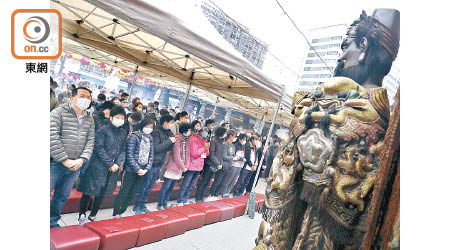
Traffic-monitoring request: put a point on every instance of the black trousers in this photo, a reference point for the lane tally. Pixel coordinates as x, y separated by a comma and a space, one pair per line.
204, 183
84, 202
242, 182
219, 181
131, 182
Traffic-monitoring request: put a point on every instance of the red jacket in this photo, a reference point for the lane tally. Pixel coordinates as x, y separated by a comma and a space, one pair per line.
175, 157
197, 149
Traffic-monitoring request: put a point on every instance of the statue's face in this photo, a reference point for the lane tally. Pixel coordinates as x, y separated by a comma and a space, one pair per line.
350, 51
351, 62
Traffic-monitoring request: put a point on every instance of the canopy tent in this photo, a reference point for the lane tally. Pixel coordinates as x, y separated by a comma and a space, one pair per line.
97, 57
164, 45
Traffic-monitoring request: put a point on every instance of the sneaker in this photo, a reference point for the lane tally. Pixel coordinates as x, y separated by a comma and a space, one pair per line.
159, 208
226, 196
180, 204
137, 212
82, 220
167, 206
199, 201
145, 209
117, 216
214, 198
91, 218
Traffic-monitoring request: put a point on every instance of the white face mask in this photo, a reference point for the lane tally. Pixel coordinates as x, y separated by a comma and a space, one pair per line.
249, 135
235, 139
224, 136
243, 142
188, 133
117, 102
171, 125
118, 122
147, 131
83, 103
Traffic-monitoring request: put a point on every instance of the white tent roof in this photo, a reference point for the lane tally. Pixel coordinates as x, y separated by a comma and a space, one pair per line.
172, 46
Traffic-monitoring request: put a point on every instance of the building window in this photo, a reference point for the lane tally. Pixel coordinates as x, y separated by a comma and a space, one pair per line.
334, 45
325, 46
315, 55
332, 53
336, 38
325, 76
310, 76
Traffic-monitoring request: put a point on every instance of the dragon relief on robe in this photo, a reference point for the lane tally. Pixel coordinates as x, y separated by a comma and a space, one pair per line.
323, 176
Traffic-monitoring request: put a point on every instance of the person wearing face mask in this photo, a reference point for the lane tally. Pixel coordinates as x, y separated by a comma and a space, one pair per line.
101, 176
172, 112
102, 115
116, 101
250, 165
238, 162
72, 134
199, 149
164, 141
101, 98
210, 125
223, 176
134, 101
132, 122
212, 163
177, 163
182, 117
138, 162
124, 104
138, 107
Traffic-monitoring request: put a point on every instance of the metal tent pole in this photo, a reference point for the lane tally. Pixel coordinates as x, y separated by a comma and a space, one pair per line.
215, 107
132, 85
251, 201
186, 95
262, 124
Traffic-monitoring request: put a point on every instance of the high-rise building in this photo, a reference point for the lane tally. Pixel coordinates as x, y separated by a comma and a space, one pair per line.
327, 43
237, 35
391, 83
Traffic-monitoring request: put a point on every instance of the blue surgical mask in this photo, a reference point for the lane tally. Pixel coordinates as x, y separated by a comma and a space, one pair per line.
204, 135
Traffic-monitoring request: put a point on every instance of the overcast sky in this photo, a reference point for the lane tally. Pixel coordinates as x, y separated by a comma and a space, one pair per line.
266, 21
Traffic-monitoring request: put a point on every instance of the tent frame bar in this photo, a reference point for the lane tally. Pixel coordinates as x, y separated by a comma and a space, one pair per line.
186, 95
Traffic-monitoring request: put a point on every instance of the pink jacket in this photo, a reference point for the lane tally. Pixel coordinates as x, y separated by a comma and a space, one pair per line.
175, 157
197, 149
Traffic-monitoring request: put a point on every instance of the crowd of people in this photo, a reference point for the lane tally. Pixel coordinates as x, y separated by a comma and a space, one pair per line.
94, 145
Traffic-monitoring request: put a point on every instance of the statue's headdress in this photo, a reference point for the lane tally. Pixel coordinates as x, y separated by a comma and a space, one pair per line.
383, 26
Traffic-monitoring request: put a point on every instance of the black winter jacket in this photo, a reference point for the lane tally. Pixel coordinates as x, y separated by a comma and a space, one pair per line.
215, 157
132, 154
109, 149
162, 144
100, 119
